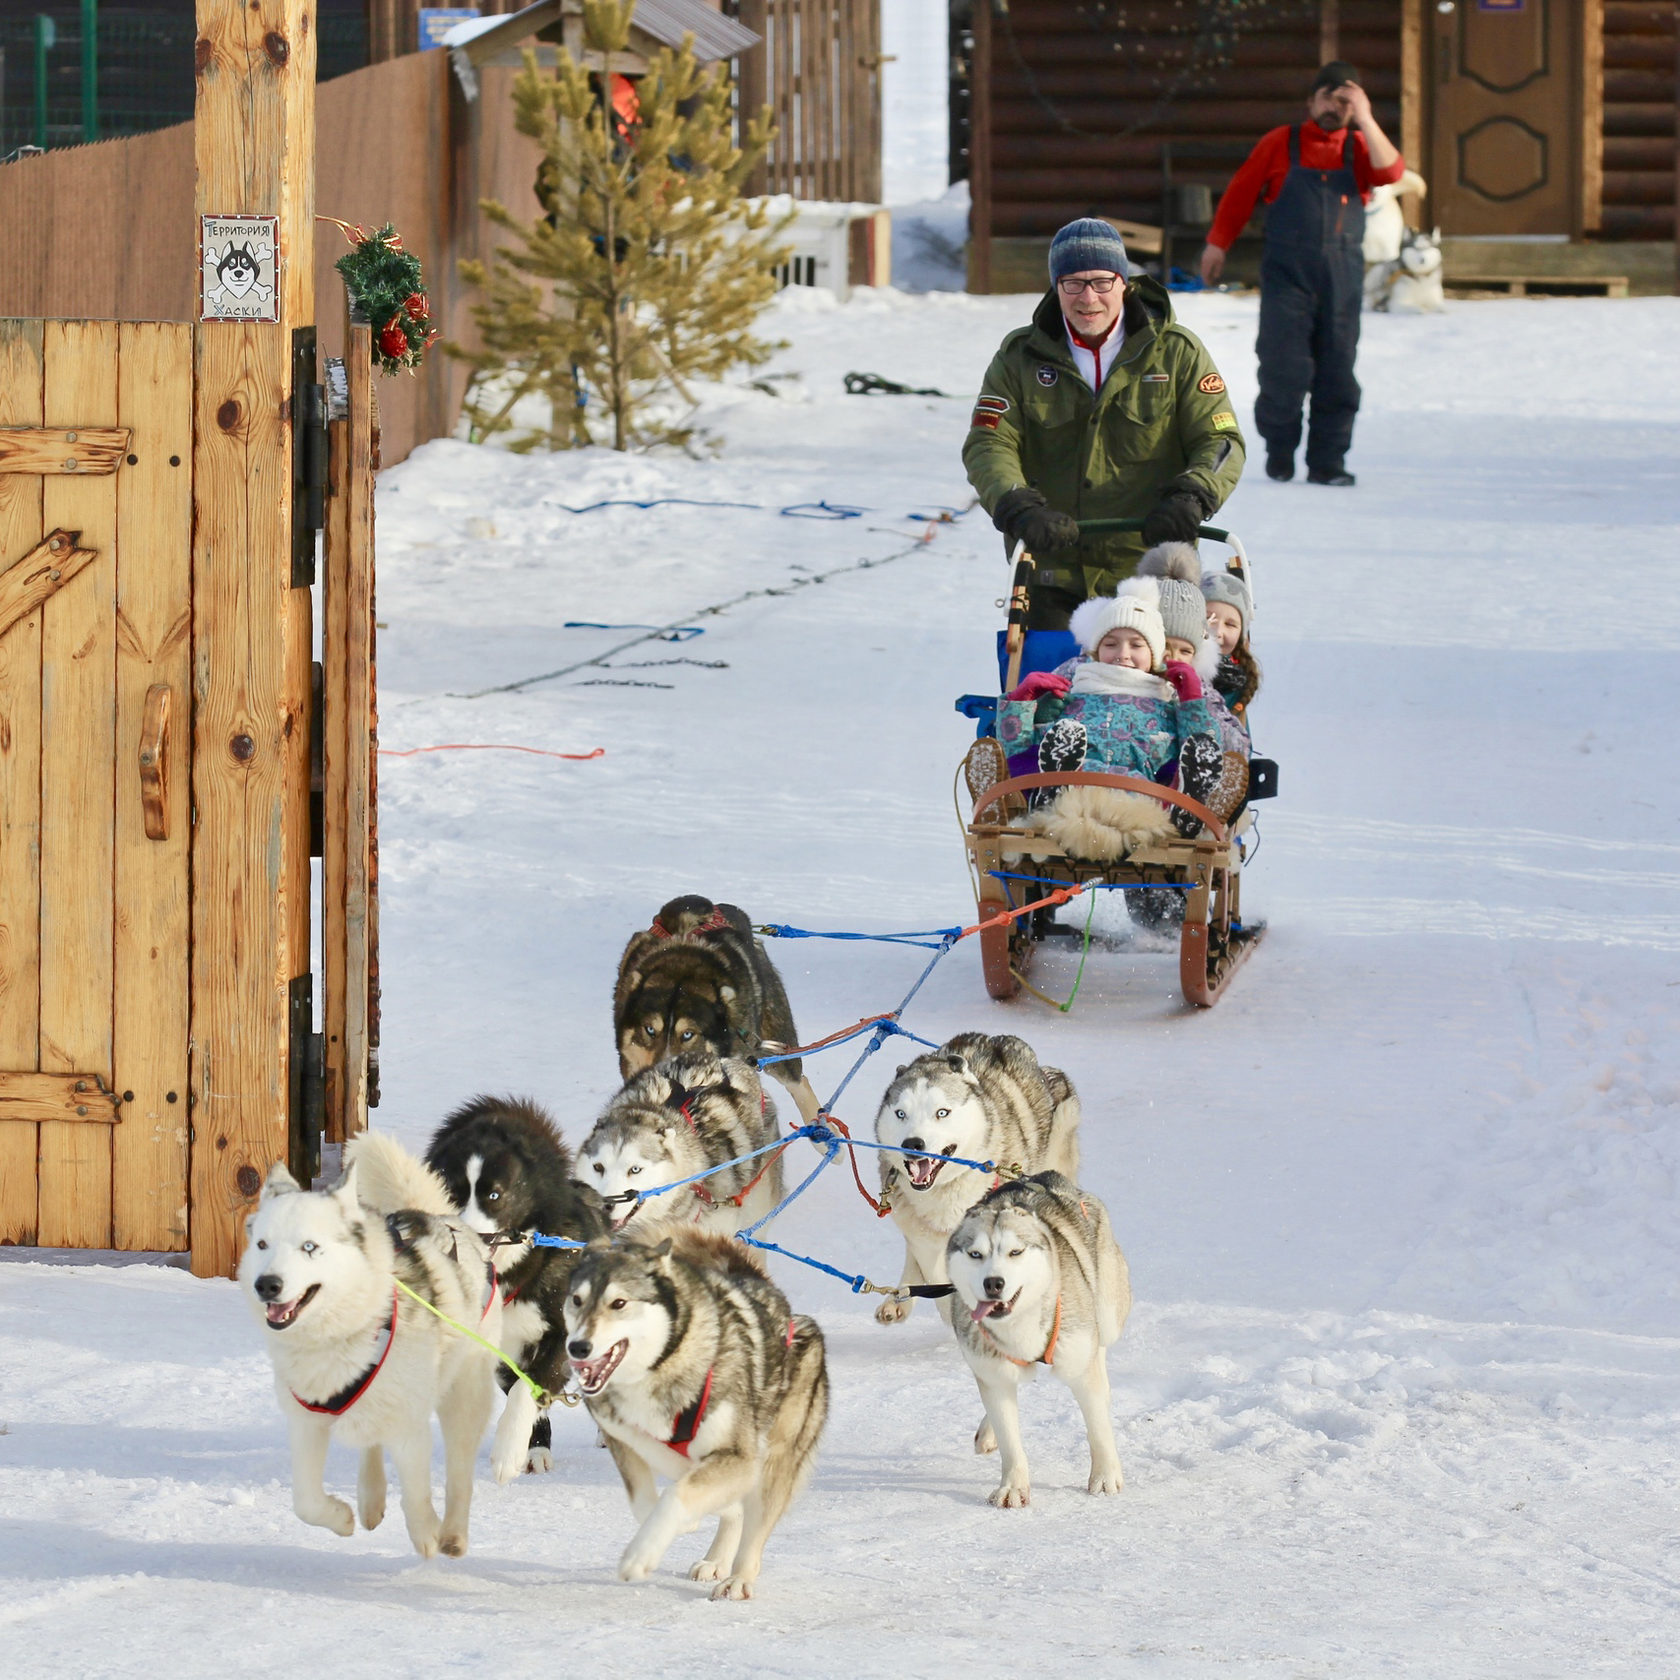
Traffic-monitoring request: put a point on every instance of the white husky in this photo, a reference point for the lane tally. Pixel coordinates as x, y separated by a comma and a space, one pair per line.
357, 1359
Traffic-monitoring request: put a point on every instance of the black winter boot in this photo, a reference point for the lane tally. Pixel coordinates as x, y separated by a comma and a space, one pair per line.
1063, 747
1280, 466
1200, 765
1338, 476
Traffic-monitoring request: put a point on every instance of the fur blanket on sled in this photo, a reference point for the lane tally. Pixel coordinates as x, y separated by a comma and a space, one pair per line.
1099, 824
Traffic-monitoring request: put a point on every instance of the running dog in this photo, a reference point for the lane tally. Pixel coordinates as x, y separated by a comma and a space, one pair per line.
673, 1121
1036, 1266
981, 1098
357, 1359
694, 1367
697, 979
507, 1170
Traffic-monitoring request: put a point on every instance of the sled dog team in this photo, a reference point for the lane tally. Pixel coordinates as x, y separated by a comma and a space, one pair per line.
693, 1366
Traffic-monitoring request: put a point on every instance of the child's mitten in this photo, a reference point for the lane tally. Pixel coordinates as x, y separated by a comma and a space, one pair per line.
1186, 684
1041, 683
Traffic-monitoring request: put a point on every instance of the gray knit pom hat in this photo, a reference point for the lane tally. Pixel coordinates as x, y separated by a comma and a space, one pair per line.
1229, 589
1090, 243
1183, 611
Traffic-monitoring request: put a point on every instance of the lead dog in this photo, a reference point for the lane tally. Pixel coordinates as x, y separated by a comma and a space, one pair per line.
693, 1366
697, 979
356, 1359
673, 1121
507, 1169
979, 1097
1042, 1282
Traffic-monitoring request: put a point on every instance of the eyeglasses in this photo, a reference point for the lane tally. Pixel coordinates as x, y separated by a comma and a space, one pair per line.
1072, 287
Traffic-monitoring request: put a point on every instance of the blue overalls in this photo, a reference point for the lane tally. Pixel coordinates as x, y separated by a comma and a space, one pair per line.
1312, 277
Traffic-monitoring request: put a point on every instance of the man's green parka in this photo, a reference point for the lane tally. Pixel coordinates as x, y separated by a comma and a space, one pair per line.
1163, 420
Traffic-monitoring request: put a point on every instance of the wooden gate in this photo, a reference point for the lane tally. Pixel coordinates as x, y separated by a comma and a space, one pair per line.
95, 736
1508, 122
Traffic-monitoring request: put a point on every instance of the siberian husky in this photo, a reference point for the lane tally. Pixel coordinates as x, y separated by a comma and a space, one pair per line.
693, 1366
358, 1360
1041, 1282
980, 1098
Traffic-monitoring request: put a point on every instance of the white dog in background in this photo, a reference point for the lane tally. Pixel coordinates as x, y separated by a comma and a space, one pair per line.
1416, 286
1385, 234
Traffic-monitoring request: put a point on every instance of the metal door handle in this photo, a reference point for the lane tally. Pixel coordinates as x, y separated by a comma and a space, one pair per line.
154, 762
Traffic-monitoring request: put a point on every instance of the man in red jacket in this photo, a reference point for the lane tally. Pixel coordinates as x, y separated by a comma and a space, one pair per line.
1316, 176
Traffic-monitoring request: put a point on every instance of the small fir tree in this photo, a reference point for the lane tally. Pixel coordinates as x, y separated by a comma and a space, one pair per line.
648, 269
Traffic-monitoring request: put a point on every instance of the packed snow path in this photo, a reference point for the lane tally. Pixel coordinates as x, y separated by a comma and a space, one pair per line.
1399, 1394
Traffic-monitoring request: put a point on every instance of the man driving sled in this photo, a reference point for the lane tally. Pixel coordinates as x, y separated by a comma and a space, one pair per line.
1103, 408
1316, 176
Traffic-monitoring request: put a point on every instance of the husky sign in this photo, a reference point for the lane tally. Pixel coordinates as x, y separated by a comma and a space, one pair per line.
238, 264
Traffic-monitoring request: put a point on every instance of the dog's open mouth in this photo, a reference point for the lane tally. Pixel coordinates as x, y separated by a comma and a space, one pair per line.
592, 1374
924, 1169
996, 1309
282, 1313
621, 1218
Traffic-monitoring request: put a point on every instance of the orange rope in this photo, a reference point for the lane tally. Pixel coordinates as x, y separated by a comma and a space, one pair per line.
881, 1210
822, 1043
487, 746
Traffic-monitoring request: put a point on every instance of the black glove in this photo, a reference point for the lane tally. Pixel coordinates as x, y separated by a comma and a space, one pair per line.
1024, 516
1177, 517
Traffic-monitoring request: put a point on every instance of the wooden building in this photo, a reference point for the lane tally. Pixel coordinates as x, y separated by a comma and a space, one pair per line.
1545, 128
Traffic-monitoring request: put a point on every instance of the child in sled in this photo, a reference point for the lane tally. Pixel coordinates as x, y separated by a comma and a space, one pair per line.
1127, 708
1230, 612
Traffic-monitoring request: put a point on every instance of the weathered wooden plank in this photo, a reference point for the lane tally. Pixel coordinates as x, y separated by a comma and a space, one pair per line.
50, 450
20, 792
76, 1099
360, 884
153, 827
335, 745
78, 745
254, 140
40, 573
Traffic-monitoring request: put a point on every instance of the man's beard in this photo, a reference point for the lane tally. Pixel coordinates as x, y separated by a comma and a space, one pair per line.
1332, 122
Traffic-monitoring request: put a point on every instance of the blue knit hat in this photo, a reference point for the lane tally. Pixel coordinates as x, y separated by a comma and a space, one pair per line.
1090, 243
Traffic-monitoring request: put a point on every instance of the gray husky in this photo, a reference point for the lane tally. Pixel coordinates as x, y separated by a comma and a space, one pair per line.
1041, 1282
981, 1098
693, 1366
356, 1359
673, 1121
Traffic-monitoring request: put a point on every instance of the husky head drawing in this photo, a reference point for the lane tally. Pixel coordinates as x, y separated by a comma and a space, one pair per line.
238, 269
1000, 1256
622, 1313
933, 1107
307, 1260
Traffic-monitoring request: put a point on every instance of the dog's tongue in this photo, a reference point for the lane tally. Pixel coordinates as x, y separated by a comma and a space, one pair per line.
280, 1311
985, 1309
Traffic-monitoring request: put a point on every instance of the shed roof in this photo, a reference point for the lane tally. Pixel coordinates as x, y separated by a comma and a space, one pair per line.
666, 21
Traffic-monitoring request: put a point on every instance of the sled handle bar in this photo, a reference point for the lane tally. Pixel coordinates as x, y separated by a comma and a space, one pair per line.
1119, 527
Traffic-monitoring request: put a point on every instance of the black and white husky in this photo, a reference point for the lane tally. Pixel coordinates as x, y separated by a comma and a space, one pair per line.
680, 1118
696, 1370
358, 1360
979, 1098
1041, 1281
508, 1171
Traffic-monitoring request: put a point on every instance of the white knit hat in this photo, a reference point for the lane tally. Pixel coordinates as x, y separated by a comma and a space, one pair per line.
1131, 609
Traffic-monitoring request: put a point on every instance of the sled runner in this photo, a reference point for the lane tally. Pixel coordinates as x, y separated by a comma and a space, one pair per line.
1014, 867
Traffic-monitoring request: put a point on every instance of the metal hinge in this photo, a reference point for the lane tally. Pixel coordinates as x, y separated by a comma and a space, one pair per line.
309, 457
307, 1081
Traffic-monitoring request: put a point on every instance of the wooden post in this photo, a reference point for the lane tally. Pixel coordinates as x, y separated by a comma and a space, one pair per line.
254, 142
980, 151
1592, 117
1329, 30
1411, 95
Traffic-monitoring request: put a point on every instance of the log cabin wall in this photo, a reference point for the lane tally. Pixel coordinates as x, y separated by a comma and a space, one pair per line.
1081, 96
1639, 120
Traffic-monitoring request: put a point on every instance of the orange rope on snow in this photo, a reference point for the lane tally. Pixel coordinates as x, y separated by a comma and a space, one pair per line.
487, 746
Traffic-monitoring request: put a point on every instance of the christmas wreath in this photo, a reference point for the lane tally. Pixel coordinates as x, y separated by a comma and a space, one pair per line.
387, 289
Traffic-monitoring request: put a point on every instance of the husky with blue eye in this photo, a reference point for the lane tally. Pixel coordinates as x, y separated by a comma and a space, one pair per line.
358, 1360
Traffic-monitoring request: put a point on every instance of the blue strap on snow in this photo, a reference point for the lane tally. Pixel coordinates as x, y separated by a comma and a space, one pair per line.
672, 633
821, 510
658, 501
924, 937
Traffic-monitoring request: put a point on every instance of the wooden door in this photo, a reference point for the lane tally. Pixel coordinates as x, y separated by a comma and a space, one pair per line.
95, 650
1505, 153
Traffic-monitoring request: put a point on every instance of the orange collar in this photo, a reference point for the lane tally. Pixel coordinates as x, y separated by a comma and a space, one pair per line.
1044, 1358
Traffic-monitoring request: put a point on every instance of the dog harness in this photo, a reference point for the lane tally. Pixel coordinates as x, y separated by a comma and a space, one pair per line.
686, 1424
347, 1396
712, 924
490, 1290
1044, 1358
704, 1196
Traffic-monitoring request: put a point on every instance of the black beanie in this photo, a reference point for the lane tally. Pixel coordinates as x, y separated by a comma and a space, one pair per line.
1337, 73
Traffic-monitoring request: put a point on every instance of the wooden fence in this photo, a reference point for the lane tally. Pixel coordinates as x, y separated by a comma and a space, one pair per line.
107, 232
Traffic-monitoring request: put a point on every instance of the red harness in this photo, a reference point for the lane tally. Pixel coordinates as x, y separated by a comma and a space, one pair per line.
712, 924
338, 1404
686, 1424
1045, 1358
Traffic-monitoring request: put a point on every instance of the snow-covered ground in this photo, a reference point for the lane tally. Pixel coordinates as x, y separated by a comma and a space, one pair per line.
1400, 1392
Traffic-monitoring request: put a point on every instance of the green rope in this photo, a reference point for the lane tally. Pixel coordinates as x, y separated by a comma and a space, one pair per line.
1084, 951
538, 1393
